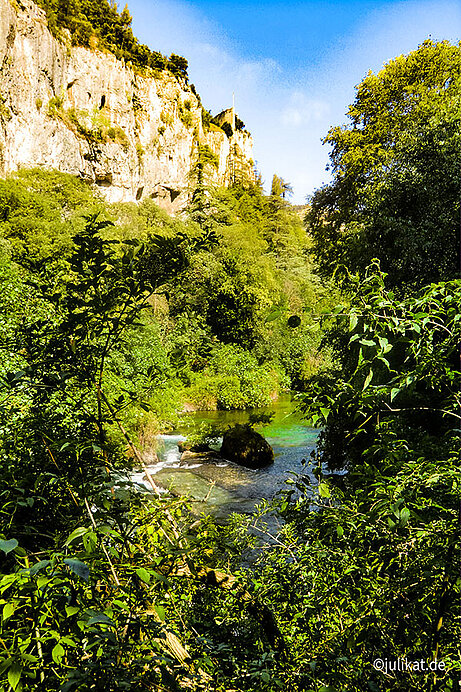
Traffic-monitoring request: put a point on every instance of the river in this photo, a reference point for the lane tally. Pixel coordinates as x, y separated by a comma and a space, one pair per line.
222, 488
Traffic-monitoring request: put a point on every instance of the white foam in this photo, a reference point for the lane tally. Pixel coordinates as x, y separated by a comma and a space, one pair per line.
172, 438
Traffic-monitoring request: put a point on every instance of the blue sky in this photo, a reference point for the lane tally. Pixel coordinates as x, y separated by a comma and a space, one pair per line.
293, 66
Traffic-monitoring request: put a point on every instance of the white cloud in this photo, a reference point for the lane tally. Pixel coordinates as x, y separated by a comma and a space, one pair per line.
288, 112
301, 110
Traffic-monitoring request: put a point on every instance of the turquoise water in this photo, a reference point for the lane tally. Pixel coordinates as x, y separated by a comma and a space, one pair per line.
224, 487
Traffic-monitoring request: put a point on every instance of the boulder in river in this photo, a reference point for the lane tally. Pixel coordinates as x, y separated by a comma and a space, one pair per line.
244, 446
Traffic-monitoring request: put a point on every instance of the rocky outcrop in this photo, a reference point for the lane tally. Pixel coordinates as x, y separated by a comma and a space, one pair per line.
85, 112
243, 445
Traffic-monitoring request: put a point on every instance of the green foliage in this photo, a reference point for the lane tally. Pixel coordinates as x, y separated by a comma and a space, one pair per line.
39, 211
99, 23
397, 366
95, 127
55, 104
232, 379
259, 261
98, 608
102, 608
105, 331
178, 66
395, 192
280, 188
186, 117
206, 119
366, 568
68, 373
380, 547
200, 206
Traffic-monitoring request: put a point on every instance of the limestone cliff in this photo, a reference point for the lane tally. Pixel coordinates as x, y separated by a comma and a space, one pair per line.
85, 112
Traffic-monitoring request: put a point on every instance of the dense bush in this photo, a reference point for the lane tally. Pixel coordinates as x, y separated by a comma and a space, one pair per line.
232, 379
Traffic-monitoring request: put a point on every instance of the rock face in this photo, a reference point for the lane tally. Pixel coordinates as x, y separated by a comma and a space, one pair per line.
243, 445
84, 112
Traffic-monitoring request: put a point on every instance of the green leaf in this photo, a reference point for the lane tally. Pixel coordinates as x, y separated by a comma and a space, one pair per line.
42, 581
368, 379
100, 618
69, 641
57, 653
38, 566
79, 568
404, 516
8, 610
8, 546
121, 604
324, 490
71, 610
394, 393
325, 412
160, 612
354, 338
340, 531
76, 534
273, 315
143, 574
14, 675
337, 309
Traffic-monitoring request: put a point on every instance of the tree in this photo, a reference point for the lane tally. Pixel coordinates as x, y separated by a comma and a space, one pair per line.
66, 354
178, 66
395, 191
200, 207
280, 188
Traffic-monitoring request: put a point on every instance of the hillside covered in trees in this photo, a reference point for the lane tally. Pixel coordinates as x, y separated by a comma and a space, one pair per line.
114, 318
